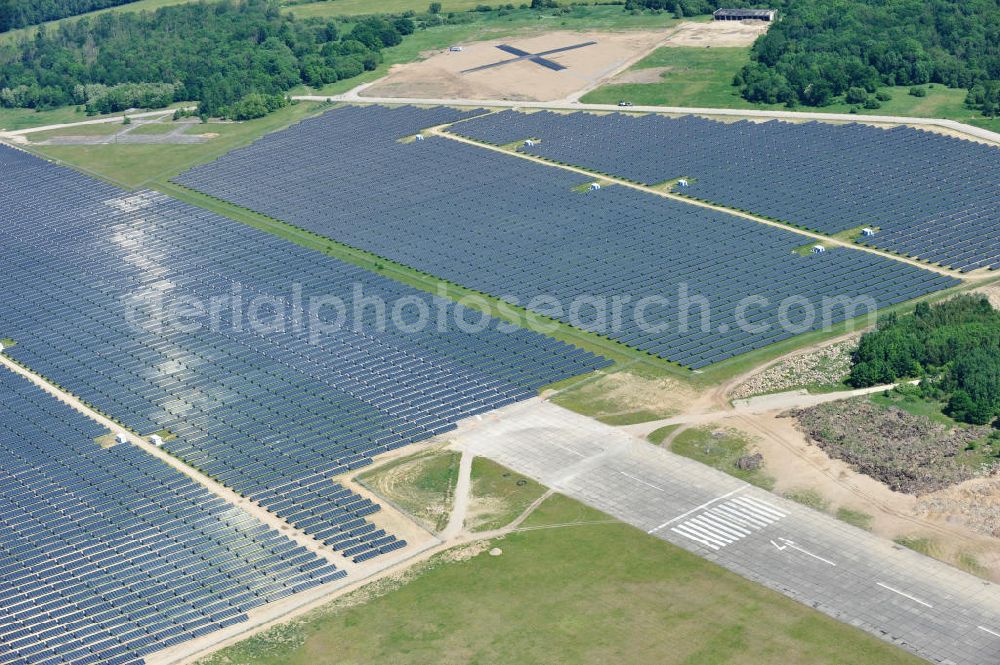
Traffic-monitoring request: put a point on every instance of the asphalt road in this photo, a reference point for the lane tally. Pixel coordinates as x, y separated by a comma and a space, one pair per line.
929, 608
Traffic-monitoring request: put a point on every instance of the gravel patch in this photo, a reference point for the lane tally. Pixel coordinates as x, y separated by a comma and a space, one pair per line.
826, 366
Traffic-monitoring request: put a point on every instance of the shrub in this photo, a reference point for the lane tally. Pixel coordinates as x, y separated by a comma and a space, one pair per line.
856, 95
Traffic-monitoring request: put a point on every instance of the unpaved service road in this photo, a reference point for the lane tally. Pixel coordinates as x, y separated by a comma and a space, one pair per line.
922, 605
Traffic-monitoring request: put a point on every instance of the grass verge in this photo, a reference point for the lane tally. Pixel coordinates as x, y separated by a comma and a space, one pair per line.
855, 518
657, 437
808, 497
923, 546
720, 449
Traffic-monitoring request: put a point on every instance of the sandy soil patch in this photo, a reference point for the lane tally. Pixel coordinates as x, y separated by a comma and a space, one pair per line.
441, 74
717, 33
958, 520
992, 292
483, 509
976, 503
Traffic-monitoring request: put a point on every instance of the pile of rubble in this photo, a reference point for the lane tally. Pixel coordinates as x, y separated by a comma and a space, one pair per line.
909, 453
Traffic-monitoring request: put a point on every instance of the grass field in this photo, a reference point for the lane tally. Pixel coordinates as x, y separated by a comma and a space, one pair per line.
15, 119
422, 485
720, 449
139, 165
702, 77
578, 595
153, 128
593, 400
692, 77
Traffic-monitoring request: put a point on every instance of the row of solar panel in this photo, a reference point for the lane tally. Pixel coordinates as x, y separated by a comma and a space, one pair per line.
448, 374
522, 231
273, 416
107, 555
830, 178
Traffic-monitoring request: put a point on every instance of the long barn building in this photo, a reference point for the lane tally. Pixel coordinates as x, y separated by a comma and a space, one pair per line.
744, 14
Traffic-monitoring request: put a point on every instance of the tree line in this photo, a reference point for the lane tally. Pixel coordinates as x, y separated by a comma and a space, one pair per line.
953, 347
20, 13
820, 50
236, 58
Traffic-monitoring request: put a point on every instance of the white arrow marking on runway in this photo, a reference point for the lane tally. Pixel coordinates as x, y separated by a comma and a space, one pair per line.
987, 630
640, 480
904, 595
788, 543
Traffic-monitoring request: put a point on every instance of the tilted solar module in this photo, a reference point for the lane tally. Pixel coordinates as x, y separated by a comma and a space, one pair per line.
930, 196
271, 399
521, 230
108, 554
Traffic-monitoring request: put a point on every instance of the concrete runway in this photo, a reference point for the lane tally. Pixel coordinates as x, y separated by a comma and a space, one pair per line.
927, 607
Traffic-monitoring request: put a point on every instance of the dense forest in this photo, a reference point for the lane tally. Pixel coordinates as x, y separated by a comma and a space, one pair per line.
236, 59
20, 13
953, 346
821, 50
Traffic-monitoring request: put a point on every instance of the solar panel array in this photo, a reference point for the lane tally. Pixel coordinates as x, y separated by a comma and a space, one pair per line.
932, 196
271, 413
107, 555
517, 230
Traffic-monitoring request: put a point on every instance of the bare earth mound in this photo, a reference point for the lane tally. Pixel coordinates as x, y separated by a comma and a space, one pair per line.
440, 75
